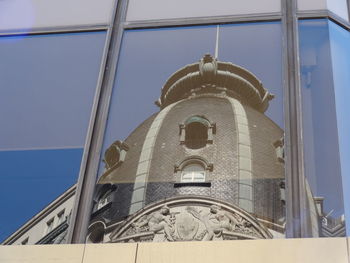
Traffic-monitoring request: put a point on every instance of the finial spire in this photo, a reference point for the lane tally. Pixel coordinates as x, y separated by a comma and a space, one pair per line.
216, 55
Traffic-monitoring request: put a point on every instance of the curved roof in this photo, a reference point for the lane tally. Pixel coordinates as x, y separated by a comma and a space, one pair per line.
212, 76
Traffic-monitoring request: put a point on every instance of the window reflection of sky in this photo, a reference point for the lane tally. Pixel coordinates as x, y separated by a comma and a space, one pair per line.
325, 80
340, 43
149, 57
47, 88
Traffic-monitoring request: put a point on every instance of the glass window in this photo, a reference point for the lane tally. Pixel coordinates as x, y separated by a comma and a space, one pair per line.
324, 67
24, 16
60, 217
104, 199
312, 4
49, 225
193, 173
340, 43
197, 132
180, 87
166, 9
48, 84
25, 241
338, 7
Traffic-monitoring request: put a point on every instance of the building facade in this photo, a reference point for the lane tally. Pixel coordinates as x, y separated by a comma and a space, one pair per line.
50, 226
79, 81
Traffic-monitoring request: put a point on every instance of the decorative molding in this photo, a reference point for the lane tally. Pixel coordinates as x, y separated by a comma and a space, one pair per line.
189, 218
140, 185
212, 76
245, 170
51, 236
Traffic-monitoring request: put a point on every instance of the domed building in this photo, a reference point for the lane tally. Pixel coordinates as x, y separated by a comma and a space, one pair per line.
208, 166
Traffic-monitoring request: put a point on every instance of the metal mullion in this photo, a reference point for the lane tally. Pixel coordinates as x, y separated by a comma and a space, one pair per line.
55, 30
326, 14
89, 168
144, 24
296, 212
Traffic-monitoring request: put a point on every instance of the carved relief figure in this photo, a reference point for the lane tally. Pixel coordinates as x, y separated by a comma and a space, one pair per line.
215, 221
188, 222
157, 222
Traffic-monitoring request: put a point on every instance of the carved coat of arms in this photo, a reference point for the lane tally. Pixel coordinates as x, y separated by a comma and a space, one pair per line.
187, 221
186, 226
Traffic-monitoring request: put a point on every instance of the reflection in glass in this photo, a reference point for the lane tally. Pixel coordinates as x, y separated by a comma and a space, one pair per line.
208, 164
48, 84
322, 117
166, 9
340, 43
193, 173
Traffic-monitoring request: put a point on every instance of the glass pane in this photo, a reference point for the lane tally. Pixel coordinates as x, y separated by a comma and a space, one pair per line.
340, 43
34, 14
187, 177
321, 141
312, 4
166, 9
338, 7
193, 167
48, 84
237, 173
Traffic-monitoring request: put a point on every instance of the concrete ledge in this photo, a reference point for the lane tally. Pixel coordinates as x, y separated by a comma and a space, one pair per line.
330, 250
311, 250
42, 254
110, 253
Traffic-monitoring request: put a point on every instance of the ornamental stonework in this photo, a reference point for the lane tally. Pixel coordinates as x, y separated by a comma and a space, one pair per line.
190, 219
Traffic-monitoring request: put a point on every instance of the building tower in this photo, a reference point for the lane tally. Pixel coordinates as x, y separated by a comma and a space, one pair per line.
208, 166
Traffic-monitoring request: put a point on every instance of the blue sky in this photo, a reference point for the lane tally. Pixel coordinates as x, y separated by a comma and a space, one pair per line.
325, 47
47, 85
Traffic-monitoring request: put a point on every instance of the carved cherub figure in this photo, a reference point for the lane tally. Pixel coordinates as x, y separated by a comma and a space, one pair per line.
157, 221
215, 221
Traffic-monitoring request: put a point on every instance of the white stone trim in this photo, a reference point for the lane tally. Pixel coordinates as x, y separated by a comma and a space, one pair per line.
142, 172
245, 185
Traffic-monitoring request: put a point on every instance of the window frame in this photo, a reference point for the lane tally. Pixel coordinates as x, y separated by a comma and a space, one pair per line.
293, 140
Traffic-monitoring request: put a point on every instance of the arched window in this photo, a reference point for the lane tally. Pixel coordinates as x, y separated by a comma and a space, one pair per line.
196, 132
96, 232
193, 170
193, 173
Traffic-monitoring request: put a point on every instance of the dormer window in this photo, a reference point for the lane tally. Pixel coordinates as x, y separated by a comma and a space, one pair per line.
193, 170
193, 173
196, 132
105, 199
112, 156
104, 196
115, 154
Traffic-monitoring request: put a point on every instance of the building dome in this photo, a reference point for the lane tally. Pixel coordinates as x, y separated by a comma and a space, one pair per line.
209, 145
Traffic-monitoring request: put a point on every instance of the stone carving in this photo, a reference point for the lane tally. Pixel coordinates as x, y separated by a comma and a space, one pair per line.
184, 222
215, 221
161, 223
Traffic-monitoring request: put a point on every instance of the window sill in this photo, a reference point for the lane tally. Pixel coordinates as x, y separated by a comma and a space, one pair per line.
194, 184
